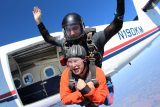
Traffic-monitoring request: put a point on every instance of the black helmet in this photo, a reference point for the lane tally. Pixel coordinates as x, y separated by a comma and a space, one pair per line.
71, 19
76, 51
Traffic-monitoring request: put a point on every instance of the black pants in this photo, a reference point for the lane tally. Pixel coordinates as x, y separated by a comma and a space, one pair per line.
88, 103
91, 105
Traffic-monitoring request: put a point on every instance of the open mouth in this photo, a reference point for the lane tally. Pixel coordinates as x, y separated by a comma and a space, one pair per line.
76, 69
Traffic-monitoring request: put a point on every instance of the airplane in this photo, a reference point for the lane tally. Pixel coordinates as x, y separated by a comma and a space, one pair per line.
30, 69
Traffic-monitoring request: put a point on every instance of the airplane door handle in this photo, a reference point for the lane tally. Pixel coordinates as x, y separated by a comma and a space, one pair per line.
45, 82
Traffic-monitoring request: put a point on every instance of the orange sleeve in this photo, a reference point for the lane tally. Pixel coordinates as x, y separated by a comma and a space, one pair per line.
67, 96
99, 94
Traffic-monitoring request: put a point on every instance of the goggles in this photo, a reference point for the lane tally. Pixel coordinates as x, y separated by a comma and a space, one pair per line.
74, 28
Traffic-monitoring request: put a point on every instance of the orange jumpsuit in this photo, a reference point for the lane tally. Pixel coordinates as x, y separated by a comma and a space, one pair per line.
96, 95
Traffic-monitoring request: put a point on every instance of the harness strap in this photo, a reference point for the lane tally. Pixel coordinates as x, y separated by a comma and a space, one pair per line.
92, 51
92, 68
72, 82
87, 30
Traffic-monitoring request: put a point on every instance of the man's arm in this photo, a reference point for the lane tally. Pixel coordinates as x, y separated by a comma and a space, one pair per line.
117, 23
44, 32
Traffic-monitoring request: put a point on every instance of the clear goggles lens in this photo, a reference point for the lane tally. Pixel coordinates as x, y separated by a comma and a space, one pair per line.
73, 28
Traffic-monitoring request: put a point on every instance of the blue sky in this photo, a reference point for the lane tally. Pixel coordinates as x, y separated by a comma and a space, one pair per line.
17, 23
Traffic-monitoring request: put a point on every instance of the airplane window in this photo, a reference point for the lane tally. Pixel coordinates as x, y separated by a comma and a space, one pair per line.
49, 71
17, 82
27, 78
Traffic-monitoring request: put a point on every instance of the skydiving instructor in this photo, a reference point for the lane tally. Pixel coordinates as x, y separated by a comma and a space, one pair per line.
75, 33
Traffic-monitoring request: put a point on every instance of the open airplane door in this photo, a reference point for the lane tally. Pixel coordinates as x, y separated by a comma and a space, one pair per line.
31, 74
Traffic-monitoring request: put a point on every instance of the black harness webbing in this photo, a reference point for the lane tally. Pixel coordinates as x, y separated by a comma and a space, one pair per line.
92, 51
72, 82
